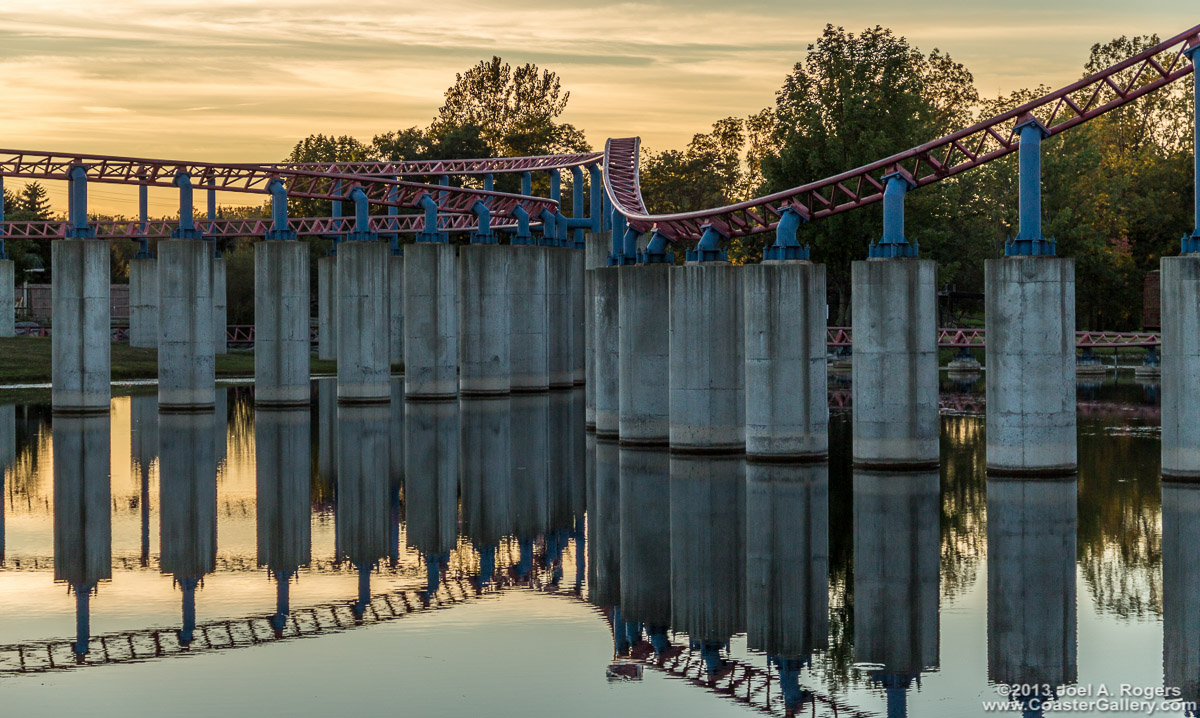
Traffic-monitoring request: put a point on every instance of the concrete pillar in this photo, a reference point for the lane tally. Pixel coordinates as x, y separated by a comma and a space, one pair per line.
1180, 282
281, 327
1181, 585
143, 302
645, 536
707, 375
362, 323
530, 352
595, 251
787, 559
485, 319
1031, 623
82, 339
897, 552
575, 295
220, 318
327, 308
606, 355
895, 374
396, 309
787, 404
644, 346
1030, 313
431, 321
185, 329
7, 298
559, 313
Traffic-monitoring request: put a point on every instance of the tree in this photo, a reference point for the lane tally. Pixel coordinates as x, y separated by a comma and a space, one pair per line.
35, 202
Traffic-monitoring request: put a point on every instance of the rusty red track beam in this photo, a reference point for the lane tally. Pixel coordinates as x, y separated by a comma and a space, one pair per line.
425, 168
928, 163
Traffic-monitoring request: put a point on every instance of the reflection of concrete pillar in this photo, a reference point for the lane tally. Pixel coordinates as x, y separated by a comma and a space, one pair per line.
284, 497
558, 460
82, 511
327, 308
1031, 531
484, 321
430, 321
82, 339
897, 559
787, 559
1181, 588
708, 549
281, 326
604, 524
895, 373
8, 452
362, 323
185, 327
143, 425
327, 433
143, 302
362, 500
485, 470
431, 476
220, 315
645, 489
1180, 279
531, 497
589, 477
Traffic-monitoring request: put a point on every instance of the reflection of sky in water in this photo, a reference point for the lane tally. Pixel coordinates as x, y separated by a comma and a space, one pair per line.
876, 591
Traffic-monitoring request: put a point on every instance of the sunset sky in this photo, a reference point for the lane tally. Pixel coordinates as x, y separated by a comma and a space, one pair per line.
235, 80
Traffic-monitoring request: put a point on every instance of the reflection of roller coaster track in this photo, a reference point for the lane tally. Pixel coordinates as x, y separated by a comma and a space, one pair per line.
934, 161
976, 404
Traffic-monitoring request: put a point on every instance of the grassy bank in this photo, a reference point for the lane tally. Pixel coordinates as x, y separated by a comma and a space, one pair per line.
26, 360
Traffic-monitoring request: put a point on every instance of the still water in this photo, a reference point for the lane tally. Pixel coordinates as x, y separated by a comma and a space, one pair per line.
490, 558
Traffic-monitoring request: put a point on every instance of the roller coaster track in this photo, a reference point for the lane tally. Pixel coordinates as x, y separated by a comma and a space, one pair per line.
428, 168
931, 162
256, 179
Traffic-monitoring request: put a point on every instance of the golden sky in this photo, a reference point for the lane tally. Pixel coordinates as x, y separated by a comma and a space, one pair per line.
239, 80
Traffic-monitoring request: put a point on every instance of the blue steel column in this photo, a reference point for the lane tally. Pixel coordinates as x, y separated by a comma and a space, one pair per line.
1192, 244
1029, 240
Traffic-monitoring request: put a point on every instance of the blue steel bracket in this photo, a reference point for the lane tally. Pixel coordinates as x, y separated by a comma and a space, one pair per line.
709, 248
549, 232
786, 245
656, 251
522, 235
428, 204
484, 234
1030, 248
893, 244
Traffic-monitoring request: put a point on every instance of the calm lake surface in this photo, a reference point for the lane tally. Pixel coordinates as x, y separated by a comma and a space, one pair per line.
490, 558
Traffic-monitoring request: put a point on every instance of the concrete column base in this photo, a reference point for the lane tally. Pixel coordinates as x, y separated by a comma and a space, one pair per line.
430, 321
644, 344
143, 302
396, 309
81, 342
559, 313
787, 403
606, 360
362, 324
708, 368
220, 307
484, 320
895, 373
186, 367
327, 308
1180, 366
281, 335
530, 346
1029, 308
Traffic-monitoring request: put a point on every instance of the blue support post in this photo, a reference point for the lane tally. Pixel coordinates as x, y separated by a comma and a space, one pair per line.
279, 214
484, 234
607, 215
893, 244
786, 245
1192, 244
595, 189
527, 183
144, 221
560, 229
548, 232
708, 249
77, 213
522, 235
431, 233
657, 251
1029, 241
212, 215
618, 256
555, 185
629, 245
187, 220
362, 217
577, 205
489, 182
393, 211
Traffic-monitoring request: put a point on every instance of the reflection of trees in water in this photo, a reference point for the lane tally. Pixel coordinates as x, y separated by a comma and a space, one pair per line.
964, 502
1120, 552
22, 482
835, 669
235, 430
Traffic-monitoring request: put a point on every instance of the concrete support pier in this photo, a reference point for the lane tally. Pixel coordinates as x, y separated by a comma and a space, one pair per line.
81, 366
396, 309
787, 407
1180, 278
186, 369
281, 335
575, 295
644, 341
707, 374
430, 321
143, 302
895, 374
362, 327
530, 352
327, 308
559, 313
485, 319
606, 355
1030, 313
7, 298
220, 319
595, 249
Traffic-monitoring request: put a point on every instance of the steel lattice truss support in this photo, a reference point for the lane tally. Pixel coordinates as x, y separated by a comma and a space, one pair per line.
425, 168
256, 180
934, 161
